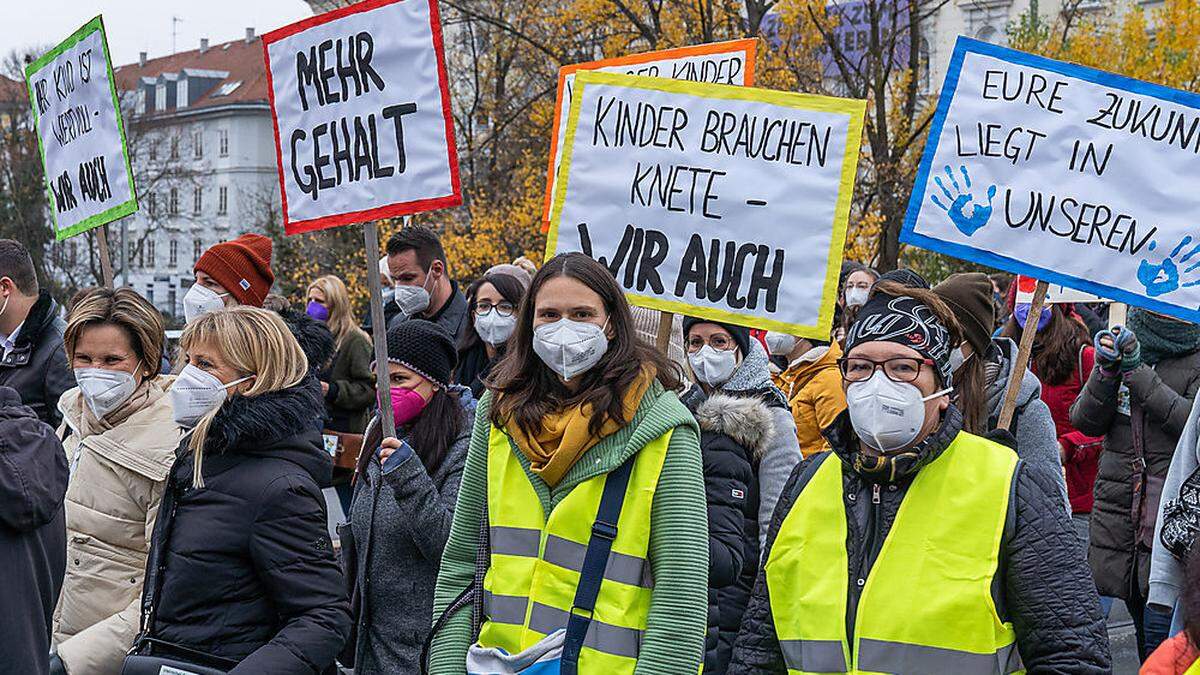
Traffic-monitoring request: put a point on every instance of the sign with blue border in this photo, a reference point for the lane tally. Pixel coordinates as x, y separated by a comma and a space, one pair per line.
1064, 173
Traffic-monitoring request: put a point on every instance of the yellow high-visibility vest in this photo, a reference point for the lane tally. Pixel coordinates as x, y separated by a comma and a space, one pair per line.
926, 606
536, 560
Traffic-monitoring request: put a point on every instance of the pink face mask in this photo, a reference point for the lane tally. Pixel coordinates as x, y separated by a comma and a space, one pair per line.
406, 405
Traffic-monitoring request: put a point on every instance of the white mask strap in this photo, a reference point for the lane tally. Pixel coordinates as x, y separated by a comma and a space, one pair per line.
936, 394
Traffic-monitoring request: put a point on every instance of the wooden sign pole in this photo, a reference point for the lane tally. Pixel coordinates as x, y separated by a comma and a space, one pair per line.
666, 323
383, 389
106, 271
1022, 360
1117, 313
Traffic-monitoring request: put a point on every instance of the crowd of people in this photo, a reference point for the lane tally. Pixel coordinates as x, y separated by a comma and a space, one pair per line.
564, 495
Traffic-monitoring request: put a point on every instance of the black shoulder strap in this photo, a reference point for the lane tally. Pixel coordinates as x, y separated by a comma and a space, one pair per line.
604, 532
156, 560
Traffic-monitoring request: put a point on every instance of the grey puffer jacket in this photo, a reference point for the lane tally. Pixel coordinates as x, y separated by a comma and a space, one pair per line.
1042, 584
1033, 426
1161, 396
399, 539
734, 431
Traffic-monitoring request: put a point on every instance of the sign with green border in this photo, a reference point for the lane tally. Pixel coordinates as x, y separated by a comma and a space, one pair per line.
81, 135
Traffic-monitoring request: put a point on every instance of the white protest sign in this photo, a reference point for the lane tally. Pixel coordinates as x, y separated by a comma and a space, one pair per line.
729, 62
1056, 294
363, 128
723, 202
80, 133
1066, 174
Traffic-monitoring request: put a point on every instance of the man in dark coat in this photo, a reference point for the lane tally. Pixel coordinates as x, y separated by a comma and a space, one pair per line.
33, 534
32, 358
423, 287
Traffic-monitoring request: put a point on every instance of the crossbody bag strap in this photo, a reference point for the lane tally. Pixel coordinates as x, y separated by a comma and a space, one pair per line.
595, 560
156, 561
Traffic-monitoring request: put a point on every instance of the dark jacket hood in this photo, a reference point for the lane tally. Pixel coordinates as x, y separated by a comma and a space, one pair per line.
745, 419
844, 442
33, 467
41, 317
314, 337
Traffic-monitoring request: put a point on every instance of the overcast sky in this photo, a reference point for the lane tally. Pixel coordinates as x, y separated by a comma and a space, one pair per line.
143, 25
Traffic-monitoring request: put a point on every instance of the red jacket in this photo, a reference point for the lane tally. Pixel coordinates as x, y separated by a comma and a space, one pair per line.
1081, 454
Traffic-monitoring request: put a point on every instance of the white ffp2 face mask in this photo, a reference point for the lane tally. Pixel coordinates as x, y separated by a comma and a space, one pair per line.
105, 390
412, 300
570, 347
493, 328
857, 297
196, 393
200, 300
780, 344
887, 415
712, 366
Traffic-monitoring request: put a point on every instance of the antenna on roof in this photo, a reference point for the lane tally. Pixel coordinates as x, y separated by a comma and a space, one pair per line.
175, 21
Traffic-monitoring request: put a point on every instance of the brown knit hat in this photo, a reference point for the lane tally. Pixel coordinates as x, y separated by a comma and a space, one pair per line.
241, 266
969, 296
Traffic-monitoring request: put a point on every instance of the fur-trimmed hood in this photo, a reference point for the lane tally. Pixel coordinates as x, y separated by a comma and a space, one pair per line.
249, 423
745, 419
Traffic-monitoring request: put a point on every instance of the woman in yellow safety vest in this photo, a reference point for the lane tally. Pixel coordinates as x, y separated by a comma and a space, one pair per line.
913, 546
577, 401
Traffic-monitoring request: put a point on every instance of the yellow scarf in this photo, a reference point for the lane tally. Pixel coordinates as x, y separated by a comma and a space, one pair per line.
564, 435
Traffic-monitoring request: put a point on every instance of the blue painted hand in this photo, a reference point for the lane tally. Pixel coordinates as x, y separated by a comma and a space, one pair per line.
1164, 277
956, 202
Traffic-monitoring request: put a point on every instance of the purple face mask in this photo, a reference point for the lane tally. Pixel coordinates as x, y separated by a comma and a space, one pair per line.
1021, 314
317, 311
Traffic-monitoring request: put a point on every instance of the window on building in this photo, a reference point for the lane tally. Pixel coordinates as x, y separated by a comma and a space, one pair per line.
173, 253
198, 145
150, 293
223, 136
988, 34
154, 150
197, 200
175, 147
197, 249
132, 253
150, 252
173, 202
222, 200
152, 204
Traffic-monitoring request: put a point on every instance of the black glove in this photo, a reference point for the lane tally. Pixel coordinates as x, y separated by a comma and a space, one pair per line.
56, 665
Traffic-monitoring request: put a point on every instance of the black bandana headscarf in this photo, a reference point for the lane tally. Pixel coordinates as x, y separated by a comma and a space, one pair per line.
905, 321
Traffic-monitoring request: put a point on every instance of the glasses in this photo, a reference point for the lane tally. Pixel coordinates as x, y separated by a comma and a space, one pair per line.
503, 308
898, 369
721, 343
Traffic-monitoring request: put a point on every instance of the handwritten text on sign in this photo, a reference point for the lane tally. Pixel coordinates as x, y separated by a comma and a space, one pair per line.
710, 200
729, 62
363, 126
81, 134
1066, 174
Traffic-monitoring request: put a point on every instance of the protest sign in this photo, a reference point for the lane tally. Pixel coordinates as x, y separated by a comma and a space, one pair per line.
1066, 174
723, 202
80, 133
361, 106
729, 62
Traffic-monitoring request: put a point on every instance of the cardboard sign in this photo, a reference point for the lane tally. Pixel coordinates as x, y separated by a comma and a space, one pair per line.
80, 133
729, 62
723, 202
1055, 293
363, 128
1066, 174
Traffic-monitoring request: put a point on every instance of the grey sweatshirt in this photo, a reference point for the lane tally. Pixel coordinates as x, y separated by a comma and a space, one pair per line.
1166, 572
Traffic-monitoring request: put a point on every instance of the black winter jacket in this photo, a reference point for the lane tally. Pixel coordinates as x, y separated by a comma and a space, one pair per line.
250, 573
37, 366
1042, 584
33, 534
733, 431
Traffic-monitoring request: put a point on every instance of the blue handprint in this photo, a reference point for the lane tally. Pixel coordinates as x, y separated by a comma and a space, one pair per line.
1164, 277
959, 199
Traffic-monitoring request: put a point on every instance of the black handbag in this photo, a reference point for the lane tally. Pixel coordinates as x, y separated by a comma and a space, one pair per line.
152, 656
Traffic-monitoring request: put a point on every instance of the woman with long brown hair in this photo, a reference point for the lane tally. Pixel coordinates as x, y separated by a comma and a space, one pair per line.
578, 405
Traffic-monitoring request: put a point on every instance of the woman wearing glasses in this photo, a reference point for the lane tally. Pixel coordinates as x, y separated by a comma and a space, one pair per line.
493, 299
749, 446
915, 546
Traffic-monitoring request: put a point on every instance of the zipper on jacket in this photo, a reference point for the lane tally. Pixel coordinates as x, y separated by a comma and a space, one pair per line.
871, 543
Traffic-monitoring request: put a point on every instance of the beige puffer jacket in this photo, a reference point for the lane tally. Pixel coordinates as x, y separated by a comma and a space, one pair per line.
117, 478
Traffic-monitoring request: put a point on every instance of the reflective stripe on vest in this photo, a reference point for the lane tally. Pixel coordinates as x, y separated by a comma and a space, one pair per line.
536, 560
926, 605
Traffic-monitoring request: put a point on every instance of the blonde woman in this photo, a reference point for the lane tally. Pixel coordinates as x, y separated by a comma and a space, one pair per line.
246, 577
347, 383
120, 440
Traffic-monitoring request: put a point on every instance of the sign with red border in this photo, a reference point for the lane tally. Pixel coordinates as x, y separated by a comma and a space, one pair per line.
361, 108
730, 62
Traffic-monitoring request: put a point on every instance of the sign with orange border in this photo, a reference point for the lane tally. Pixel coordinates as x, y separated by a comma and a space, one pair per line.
730, 62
